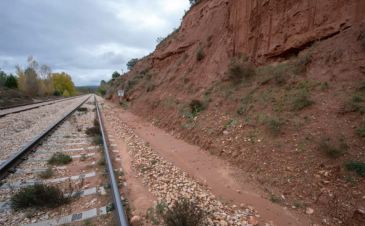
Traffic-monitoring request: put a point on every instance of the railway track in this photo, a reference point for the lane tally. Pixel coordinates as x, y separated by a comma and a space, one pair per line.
26, 107
87, 182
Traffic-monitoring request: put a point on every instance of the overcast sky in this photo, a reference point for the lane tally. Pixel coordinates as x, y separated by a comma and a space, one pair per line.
89, 39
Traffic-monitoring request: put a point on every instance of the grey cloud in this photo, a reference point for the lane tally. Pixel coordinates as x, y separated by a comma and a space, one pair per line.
87, 38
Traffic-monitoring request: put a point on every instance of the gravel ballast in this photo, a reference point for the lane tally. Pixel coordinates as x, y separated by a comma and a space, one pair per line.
20, 128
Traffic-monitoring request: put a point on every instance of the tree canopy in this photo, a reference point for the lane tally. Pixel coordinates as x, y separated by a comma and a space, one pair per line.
115, 75
131, 63
63, 84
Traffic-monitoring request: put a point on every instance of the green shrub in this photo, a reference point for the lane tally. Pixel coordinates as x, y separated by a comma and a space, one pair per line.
11, 82
38, 196
46, 174
59, 158
184, 213
300, 100
331, 150
131, 63
240, 69
196, 106
356, 166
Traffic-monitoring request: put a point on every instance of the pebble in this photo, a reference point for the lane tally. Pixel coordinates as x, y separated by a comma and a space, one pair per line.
136, 221
309, 211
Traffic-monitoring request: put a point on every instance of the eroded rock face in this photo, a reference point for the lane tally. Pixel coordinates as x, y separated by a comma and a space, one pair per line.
277, 27
263, 29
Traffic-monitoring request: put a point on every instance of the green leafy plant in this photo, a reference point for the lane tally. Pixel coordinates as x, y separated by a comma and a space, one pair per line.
38, 196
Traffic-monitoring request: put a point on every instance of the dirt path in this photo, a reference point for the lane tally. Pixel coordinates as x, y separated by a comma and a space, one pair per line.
225, 181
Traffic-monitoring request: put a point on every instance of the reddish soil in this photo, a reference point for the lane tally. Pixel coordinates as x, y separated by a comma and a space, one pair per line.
225, 181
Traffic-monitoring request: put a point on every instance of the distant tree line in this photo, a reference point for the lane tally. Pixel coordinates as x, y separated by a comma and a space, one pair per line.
38, 80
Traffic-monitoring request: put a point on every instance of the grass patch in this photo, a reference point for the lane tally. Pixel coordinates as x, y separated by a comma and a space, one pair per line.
356, 103
300, 100
278, 73
46, 174
356, 166
59, 158
332, 150
38, 196
245, 105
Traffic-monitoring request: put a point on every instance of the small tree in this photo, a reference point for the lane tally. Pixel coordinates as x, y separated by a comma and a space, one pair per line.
115, 75
31, 81
11, 82
132, 63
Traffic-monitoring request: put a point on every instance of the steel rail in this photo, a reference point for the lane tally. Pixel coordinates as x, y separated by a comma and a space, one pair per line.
9, 165
122, 218
38, 105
